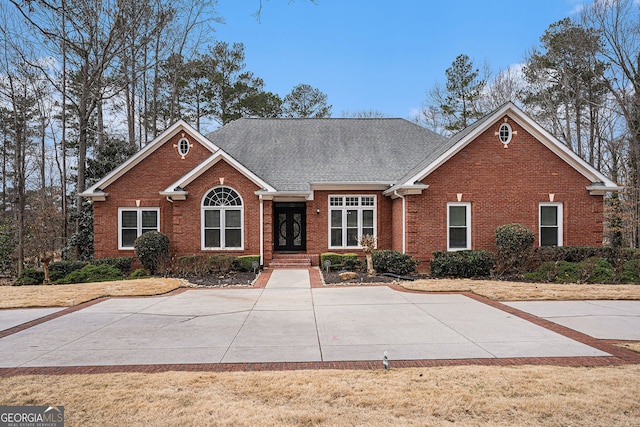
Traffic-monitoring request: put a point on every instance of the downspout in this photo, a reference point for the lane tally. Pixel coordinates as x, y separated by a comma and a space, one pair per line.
261, 231
404, 221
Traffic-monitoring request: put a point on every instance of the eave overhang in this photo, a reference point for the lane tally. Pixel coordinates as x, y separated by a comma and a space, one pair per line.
95, 196
405, 190
351, 185
600, 189
284, 196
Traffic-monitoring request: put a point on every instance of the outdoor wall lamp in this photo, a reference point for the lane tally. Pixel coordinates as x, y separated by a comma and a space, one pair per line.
318, 211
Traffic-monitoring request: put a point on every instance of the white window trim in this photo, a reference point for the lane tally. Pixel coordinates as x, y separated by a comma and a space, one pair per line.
222, 221
139, 224
467, 205
344, 209
181, 152
508, 126
560, 220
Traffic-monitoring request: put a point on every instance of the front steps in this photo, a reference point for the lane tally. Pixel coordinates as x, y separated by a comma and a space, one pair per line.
290, 261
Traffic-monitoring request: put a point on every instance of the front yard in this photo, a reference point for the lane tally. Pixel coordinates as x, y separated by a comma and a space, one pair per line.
464, 395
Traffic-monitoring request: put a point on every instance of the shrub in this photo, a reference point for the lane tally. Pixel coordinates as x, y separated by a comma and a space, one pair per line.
152, 248
351, 262
198, 265
514, 243
245, 262
222, 263
30, 276
92, 273
124, 264
139, 273
336, 260
617, 257
591, 270
631, 271
465, 264
388, 261
59, 269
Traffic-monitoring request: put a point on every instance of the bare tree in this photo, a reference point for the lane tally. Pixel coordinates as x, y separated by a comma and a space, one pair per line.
616, 22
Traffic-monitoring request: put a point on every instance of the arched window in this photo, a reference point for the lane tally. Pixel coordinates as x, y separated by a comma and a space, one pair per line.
222, 219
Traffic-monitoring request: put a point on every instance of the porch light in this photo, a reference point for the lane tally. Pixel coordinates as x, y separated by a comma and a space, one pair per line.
318, 211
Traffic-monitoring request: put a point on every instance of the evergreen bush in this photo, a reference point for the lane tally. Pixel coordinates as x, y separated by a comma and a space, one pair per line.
351, 262
30, 276
336, 260
389, 261
59, 269
631, 271
466, 264
92, 273
514, 243
124, 264
245, 262
152, 249
139, 273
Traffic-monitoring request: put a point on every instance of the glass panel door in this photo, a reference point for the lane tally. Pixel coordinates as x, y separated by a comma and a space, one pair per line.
290, 227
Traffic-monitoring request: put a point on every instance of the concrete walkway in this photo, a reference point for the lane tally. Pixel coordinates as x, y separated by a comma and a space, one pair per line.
287, 321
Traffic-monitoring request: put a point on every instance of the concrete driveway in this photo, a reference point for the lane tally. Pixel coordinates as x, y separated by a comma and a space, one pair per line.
287, 321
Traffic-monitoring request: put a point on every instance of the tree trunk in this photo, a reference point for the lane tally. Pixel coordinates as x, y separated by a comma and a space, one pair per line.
370, 269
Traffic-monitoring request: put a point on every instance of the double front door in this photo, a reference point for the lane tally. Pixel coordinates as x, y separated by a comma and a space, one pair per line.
290, 220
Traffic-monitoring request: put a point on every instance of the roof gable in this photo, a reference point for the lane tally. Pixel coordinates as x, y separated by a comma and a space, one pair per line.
177, 192
600, 183
96, 191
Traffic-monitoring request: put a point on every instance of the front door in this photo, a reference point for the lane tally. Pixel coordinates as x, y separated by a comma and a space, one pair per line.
290, 223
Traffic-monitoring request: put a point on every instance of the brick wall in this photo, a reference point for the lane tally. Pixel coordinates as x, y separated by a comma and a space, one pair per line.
142, 183
503, 186
318, 223
187, 222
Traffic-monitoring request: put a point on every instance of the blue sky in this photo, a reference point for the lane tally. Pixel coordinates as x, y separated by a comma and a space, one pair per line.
381, 55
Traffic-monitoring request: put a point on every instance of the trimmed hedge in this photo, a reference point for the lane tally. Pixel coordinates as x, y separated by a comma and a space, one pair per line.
466, 264
388, 261
336, 260
152, 249
351, 262
514, 243
244, 262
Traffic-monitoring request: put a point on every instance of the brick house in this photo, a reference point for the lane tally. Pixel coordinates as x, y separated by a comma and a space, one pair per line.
308, 186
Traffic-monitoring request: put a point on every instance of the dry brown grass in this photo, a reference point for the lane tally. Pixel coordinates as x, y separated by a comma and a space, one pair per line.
519, 291
465, 395
69, 295
633, 346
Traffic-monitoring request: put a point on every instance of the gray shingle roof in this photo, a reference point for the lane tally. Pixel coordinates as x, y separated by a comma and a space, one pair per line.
290, 154
442, 148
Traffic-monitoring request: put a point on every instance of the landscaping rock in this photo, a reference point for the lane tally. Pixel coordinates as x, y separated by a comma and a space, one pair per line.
347, 275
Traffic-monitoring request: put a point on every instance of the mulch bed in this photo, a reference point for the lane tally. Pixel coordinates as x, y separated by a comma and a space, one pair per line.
220, 280
333, 278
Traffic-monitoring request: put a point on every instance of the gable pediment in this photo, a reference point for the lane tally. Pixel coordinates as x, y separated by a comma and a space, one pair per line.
599, 183
168, 142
